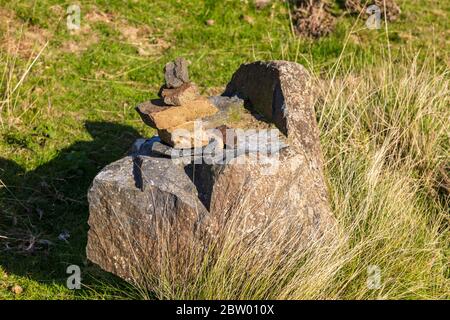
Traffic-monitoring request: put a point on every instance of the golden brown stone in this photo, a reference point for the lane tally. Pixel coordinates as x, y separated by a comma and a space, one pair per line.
181, 95
145, 109
175, 116
185, 136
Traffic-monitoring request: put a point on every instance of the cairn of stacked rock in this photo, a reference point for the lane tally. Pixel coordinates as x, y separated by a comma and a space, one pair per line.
146, 196
180, 104
186, 120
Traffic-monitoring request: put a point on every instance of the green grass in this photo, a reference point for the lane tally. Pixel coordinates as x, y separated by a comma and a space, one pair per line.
74, 113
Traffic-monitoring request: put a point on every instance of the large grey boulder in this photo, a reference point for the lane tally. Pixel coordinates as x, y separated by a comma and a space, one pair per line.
141, 199
282, 92
133, 203
279, 194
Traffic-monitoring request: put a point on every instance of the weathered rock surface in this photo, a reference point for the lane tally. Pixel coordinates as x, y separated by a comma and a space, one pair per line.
254, 193
160, 149
132, 203
228, 135
147, 108
176, 73
181, 95
282, 91
138, 200
248, 143
163, 117
185, 136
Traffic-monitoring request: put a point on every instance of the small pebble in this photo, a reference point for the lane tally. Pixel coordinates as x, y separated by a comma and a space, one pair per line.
17, 289
261, 4
250, 20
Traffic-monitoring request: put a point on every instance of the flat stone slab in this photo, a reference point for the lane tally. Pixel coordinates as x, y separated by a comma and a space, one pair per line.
165, 117
155, 147
147, 108
181, 95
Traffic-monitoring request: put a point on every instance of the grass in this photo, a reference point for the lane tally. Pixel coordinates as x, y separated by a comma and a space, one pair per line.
382, 113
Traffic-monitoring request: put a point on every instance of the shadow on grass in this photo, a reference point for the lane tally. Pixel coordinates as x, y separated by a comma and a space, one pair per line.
39, 207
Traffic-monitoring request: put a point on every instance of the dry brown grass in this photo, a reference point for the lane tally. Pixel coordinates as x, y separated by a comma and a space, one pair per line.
389, 8
312, 18
14, 101
17, 38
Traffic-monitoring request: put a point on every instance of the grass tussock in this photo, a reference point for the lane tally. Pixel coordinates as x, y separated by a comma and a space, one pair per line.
15, 101
384, 134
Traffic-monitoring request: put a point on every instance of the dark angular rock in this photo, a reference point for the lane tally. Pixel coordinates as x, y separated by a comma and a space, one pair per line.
146, 109
282, 92
176, 73
132, 202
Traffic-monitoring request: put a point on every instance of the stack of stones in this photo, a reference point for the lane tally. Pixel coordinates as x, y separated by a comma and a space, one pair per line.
179, 106
147, 196
187, 121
